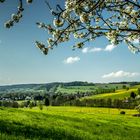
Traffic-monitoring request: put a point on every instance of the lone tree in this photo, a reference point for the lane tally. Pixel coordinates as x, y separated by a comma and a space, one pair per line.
86, 20
133, 95
47, 102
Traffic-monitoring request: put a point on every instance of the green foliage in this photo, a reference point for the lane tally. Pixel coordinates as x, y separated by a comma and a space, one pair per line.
31, 105
138, 91
40, 105
132, 95
13, 104
138, 108
122, 112
47, 102
124, 86
119, 99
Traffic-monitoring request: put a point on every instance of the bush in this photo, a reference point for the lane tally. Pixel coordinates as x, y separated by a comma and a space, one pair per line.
22, 105
138, 91
132, 95
122, 112
40, 105
31, 105
47, 102
138, 108
15, 104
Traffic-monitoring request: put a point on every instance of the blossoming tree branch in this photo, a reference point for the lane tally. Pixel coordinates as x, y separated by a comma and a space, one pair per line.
86, 20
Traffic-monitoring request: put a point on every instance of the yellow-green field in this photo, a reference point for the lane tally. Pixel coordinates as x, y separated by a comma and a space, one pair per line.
68, 123
119, 94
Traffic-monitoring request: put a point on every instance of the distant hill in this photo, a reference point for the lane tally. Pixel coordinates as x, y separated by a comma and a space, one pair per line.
39, 87
68, 87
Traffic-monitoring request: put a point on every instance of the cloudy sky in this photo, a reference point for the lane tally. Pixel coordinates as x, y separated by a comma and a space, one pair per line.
22, 62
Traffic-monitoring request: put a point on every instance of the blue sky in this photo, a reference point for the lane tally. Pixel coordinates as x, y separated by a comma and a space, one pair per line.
22, 62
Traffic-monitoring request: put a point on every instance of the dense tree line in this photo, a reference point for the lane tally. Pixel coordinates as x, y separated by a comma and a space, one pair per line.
58, 99
128, 103
9, 104
109, 103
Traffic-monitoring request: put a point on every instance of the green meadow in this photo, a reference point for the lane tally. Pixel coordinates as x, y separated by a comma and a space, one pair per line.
119, 94
68, 123
75, 89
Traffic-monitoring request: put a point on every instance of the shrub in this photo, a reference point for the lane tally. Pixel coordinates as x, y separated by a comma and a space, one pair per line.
132, 95
138, 108
40, 105
138, 91
22, 105
15, 104
122, 112
31, 105
47, 102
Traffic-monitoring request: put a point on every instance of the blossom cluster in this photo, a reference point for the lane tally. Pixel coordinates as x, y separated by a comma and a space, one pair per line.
86, 20
42, 47
15, 18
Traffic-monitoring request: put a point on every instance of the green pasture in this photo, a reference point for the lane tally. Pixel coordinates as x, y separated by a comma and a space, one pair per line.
119, 94
68, 123
75, 89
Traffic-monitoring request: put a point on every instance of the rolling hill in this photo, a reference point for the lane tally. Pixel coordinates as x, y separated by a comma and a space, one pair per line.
119, 94
70, 87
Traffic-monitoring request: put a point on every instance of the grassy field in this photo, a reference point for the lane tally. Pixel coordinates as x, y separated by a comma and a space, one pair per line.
68, 123
119, 94
75, 89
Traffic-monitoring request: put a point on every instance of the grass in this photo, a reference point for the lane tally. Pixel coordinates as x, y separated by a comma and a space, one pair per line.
119, 86
119, 94
75, 89
68, 123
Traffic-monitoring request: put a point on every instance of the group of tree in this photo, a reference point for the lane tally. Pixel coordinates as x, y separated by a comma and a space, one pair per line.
12, 104
54, 98
130, 102
74, 99
25, 104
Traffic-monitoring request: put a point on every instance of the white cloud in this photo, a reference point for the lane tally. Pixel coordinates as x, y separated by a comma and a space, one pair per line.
85, 50
96, 50
110, 47
71, 60
89, 50
120, 74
